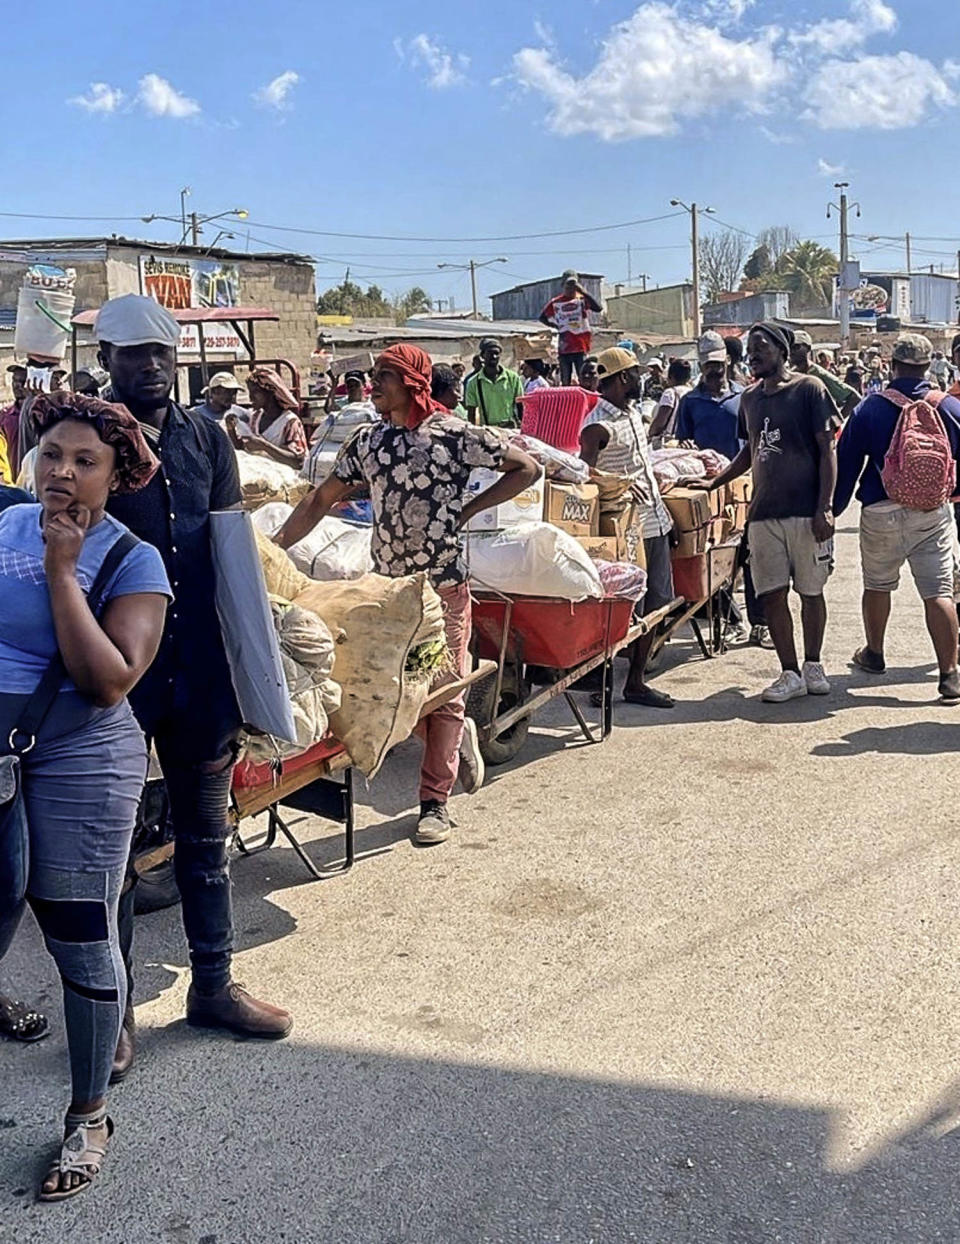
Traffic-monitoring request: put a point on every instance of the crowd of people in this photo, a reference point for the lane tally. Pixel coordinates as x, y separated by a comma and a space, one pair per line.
110, 640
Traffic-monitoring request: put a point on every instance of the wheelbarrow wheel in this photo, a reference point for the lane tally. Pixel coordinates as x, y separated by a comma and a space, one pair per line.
483, 710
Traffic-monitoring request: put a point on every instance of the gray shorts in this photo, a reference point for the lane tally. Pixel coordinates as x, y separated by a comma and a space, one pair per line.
659, 574
890, 535
783, 550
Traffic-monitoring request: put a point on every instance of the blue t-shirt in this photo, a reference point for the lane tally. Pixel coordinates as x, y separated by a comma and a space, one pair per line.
710, 422
28, 639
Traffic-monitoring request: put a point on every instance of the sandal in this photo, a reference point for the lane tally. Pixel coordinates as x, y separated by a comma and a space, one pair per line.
78, 1154
869, 661
20, 1023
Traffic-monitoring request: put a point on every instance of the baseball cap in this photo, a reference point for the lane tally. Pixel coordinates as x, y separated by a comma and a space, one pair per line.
571, 274
614, 360
17, 367
710, 348
222, 380
912, 348
800, 338
135, 320
656, 362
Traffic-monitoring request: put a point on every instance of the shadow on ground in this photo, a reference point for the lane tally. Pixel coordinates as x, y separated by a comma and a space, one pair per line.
297, 1142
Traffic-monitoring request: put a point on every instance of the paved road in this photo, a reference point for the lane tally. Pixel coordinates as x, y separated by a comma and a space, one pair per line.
697, 985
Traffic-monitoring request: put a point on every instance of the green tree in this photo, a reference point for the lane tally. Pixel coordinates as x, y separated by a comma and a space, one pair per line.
759, 264
350, 299
808, 272
414, 302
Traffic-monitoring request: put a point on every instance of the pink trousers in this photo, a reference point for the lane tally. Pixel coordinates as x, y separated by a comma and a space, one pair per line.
443, 729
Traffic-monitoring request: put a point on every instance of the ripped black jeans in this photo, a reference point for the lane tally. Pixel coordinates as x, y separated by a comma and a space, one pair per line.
199, 794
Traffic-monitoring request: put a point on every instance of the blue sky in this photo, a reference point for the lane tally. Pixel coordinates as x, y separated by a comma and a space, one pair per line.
468, 120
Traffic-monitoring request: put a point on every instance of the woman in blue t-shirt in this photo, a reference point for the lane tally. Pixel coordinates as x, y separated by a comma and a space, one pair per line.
82, 777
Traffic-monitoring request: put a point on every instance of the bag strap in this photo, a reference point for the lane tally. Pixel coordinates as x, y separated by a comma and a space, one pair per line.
933, 397
48, 688
483, 405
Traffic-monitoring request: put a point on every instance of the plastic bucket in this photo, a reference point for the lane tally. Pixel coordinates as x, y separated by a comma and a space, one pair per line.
43, 322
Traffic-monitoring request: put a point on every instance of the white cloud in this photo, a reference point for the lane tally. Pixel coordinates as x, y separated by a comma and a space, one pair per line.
444, 69
825, 169
867, 18
100, 98
632, 91
161, 99
818, 73
876, 92
276, 93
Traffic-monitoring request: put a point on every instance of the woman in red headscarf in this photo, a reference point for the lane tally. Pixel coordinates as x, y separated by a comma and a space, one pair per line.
416, 463
276, 429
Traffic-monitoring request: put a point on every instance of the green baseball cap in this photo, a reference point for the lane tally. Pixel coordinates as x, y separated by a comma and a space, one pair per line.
913, 349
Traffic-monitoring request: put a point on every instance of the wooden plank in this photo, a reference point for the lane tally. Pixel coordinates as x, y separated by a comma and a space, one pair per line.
444, 694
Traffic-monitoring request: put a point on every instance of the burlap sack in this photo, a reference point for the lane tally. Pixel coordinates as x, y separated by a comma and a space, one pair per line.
376, 621
280, 574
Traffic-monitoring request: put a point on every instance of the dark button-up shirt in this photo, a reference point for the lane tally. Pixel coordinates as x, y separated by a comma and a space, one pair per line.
189, 682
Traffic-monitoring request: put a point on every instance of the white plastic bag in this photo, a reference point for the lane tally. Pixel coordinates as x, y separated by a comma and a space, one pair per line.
333, 550
535, 559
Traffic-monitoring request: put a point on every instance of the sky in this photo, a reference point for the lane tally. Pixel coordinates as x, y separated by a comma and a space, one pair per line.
457, 127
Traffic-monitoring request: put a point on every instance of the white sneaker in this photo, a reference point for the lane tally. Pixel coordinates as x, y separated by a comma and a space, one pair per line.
471, 768
789, 686
814, 678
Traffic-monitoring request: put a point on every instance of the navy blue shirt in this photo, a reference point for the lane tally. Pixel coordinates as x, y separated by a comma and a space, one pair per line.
189, 683
710, 422
866, 438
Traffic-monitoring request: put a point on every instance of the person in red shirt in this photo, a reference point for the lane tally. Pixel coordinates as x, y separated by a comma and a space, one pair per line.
569, 312
10, 415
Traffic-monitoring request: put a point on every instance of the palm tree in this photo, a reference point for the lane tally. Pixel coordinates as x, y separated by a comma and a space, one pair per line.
809, 270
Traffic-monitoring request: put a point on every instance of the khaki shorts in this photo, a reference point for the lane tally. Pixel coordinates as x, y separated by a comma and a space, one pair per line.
783, 550
890, 535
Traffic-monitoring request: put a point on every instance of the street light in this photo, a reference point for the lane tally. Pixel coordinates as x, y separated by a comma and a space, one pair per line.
472, 267
196, 221
695, 247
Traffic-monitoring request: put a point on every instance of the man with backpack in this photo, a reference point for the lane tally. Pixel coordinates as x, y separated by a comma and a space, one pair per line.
901, 446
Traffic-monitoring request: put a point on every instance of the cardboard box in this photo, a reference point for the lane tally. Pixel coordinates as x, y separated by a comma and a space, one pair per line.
718, 502
526, 507
690, 508
629, 548
574, 508
691, 543
352, 362
741, 490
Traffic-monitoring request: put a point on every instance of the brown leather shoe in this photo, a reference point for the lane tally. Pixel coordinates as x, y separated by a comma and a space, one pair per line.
126, 1053
234, 1009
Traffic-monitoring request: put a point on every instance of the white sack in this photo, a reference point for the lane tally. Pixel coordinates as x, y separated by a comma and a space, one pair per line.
536, 559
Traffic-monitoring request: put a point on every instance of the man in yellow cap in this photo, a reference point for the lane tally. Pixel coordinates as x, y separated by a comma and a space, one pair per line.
221, 399
614, 439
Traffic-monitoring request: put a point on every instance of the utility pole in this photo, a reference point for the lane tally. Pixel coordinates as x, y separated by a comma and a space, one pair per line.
194, 229
909, 263
472, 267
644, 277
629, 266
695, 243
844, 210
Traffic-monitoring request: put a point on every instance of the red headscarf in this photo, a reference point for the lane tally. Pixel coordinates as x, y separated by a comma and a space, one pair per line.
415, 369
269, 380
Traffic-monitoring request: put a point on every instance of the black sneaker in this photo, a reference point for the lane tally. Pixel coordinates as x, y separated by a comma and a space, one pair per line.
760, 637
949, 688
870, 661
434, 823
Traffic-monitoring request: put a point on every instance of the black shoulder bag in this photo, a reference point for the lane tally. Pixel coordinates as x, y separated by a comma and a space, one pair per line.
23, 736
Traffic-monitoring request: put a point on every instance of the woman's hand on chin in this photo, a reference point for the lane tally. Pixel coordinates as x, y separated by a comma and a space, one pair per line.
63, 535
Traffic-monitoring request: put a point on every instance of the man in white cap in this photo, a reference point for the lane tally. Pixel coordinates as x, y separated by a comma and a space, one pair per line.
185, 703
221, 399
655, 383
614, 439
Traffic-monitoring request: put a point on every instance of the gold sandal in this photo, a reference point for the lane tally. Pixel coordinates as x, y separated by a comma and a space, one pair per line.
78, 1154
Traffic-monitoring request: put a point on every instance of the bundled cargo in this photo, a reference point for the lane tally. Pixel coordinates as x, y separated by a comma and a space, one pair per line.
535, 559
263, 480
307, 653
333, 550
673, 466
558, 465
379, 624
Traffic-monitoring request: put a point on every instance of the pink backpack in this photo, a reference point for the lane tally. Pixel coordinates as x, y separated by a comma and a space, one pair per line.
919, 471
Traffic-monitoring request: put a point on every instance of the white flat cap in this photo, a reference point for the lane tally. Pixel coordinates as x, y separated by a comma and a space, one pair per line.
135, 320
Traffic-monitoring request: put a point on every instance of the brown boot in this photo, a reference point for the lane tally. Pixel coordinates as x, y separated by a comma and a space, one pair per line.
126, 1048
234, 1009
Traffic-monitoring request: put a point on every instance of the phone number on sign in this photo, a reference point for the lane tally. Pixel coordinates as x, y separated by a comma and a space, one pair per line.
212, 343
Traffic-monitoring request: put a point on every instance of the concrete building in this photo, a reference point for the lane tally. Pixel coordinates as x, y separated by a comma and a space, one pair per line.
525, 302
920, 298
667, 311
179, 277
